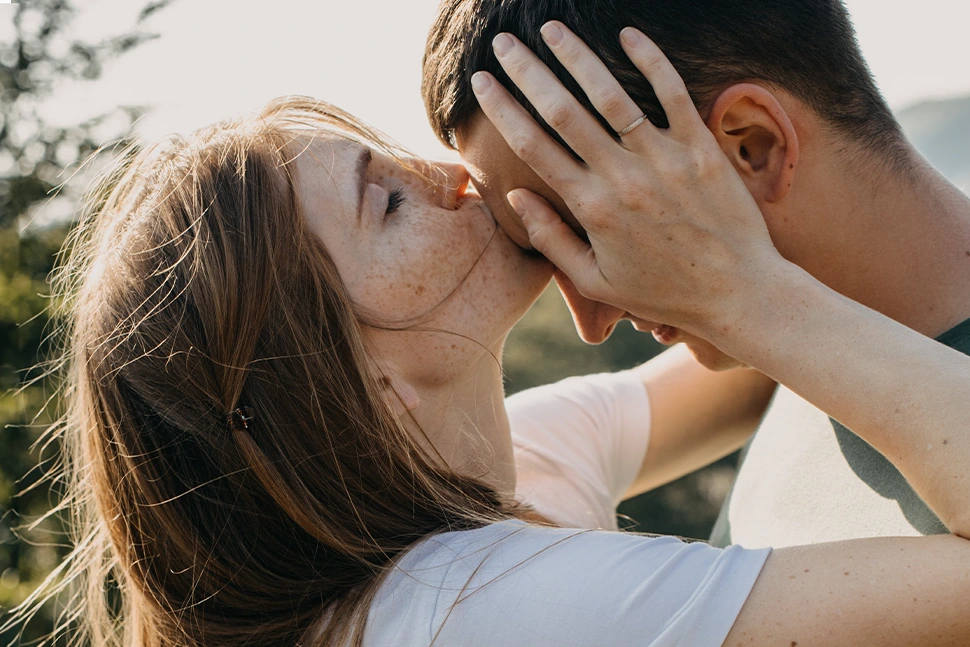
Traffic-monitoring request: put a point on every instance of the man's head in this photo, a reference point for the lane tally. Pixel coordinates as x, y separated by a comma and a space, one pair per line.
758, 71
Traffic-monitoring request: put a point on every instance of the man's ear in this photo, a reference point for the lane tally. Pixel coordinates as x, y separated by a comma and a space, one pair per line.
402, 397
756, 134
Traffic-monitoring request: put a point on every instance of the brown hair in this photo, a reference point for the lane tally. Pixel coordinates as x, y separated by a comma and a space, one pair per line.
194, 288
807, 47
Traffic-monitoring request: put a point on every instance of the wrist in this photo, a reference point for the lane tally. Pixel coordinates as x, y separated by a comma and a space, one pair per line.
758, 316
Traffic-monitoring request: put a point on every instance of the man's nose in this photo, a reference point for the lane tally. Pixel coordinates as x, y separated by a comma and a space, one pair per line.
594, 321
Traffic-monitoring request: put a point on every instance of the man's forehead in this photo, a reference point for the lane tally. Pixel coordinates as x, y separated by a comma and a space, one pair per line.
494, 165
485, 150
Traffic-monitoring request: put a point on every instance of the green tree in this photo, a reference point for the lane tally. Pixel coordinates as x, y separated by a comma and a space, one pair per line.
35, 158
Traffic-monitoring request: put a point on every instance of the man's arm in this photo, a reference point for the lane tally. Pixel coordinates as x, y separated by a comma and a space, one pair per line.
697, 415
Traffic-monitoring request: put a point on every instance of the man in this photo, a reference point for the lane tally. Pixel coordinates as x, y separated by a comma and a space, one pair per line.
789, 100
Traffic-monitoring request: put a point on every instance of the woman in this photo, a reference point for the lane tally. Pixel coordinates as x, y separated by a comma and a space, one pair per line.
287, 427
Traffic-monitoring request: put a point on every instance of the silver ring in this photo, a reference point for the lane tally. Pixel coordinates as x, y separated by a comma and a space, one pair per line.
626, 131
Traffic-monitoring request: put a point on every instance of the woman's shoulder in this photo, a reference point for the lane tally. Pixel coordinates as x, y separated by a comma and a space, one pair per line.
513, 583
579, 444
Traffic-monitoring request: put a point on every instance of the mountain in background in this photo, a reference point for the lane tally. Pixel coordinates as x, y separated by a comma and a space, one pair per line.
940, 130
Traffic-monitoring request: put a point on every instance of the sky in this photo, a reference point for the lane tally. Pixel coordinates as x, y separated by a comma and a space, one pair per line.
219, 58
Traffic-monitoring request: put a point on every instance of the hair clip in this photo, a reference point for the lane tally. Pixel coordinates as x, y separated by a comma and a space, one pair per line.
238, 420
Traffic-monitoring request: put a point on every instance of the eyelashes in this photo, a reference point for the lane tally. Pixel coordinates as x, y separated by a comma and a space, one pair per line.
394, 201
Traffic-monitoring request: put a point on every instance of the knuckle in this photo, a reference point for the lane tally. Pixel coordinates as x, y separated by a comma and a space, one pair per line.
597, 216
706, 163
628, 187
652, 61
627, 194
656, 68
680, 98
610, 102
541, 235
525, 145
517, 66
569, 54
560, 115
632, 197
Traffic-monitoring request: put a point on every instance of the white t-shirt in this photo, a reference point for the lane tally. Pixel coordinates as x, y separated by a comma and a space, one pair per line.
579, 444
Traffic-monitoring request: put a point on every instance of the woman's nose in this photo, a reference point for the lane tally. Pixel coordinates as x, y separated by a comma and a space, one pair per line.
449, 182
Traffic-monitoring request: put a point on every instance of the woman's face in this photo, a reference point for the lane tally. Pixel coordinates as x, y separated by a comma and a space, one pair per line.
417, 253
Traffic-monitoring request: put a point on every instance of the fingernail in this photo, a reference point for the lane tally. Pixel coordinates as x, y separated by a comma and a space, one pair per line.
516, 202
630, 36
531, 218
551, 33
502, 44
480, 82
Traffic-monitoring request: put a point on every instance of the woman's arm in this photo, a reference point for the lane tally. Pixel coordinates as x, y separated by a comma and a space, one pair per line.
891, 592
675, 236
905, 394
534, 586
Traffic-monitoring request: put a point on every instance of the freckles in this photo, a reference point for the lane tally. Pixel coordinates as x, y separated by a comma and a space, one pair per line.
425, 256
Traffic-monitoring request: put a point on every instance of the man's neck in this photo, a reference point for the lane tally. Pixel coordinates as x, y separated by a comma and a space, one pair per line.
898, 242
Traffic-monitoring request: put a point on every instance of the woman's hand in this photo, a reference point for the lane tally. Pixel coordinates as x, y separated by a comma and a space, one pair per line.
674, 234
675, 237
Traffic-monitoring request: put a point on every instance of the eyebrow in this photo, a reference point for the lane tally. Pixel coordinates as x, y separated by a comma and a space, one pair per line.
363, 163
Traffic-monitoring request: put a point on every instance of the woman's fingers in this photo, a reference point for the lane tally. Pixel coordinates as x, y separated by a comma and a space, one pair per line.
604, 91
560, 109
555, 240
524, 136
666, 82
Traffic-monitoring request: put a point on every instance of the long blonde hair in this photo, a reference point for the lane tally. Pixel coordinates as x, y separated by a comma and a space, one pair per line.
195, 288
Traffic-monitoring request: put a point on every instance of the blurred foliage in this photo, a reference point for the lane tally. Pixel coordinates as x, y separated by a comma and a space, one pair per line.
35, 158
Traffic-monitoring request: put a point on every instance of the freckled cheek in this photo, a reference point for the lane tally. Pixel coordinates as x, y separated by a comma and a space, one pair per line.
396, 296
485, 298
411, 285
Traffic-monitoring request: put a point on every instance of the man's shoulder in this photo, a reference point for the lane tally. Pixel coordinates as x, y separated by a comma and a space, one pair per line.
957, 338
806, 479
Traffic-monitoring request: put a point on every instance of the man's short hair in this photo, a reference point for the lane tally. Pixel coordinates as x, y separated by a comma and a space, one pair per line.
806, 47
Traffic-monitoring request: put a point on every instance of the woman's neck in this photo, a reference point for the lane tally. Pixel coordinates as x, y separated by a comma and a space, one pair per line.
466, 422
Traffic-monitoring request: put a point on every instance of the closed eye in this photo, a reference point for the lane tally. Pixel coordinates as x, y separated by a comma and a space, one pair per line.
394, 201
